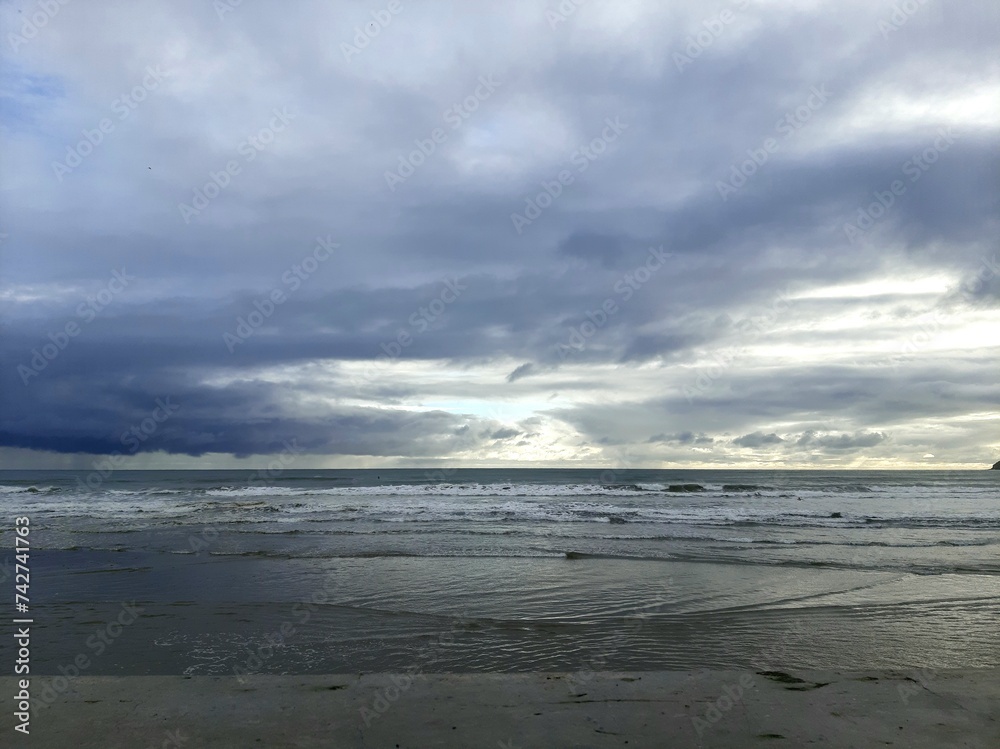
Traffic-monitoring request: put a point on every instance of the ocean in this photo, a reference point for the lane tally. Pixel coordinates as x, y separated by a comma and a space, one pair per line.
476, 570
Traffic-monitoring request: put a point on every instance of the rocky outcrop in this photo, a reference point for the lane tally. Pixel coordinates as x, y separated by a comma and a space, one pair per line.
996, 466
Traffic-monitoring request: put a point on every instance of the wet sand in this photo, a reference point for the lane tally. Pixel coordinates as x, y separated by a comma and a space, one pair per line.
954, 708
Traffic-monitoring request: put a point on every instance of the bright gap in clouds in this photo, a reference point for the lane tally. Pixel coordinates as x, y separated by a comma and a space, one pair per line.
886, 286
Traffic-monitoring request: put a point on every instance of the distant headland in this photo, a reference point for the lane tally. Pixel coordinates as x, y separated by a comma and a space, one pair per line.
996, 466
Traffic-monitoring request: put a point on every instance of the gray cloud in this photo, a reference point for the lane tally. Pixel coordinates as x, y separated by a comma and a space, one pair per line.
841, 441
758, 439
682, 438
525, 370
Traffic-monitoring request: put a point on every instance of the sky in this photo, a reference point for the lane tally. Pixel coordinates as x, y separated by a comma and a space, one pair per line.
746, 234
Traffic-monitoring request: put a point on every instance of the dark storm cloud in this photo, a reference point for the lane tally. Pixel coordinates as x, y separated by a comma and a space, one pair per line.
504, 434
433, 270
758, 439
242, 418
525, 370
682, 438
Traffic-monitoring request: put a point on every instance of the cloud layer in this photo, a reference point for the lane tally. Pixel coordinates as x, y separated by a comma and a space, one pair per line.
748, 233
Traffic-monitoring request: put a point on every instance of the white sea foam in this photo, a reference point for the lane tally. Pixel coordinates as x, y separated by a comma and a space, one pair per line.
766, 504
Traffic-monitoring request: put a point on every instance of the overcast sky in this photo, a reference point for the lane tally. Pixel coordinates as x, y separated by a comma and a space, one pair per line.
710, 234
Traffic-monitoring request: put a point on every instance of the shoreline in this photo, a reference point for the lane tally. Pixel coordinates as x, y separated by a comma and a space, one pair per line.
955, 708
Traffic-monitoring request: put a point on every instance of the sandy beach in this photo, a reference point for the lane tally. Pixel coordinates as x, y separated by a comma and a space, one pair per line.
527, 711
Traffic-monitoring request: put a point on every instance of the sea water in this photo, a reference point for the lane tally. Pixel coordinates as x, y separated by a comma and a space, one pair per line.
476, 570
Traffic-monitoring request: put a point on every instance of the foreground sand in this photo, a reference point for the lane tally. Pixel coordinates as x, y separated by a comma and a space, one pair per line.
526, 711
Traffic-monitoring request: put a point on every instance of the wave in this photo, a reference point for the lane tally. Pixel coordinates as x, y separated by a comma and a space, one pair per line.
386, 553
30, 489
256, 491
907, 566
335, 487
145, 492
473, 489
872, 544
456, 490
513, 511
839, 509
